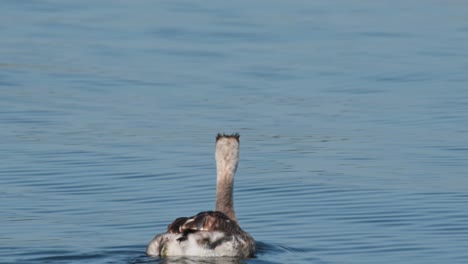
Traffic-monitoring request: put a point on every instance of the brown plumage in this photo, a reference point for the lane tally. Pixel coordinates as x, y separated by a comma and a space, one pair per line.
205, 221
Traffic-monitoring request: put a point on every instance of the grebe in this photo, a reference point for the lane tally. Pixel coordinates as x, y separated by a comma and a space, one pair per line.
211, 233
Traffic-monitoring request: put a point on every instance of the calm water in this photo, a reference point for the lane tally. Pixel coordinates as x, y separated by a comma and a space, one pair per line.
353, 118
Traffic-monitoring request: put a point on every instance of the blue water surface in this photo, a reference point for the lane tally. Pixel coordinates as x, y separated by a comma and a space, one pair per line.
353, 120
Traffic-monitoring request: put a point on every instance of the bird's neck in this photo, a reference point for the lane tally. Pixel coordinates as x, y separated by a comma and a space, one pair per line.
224, 195
227, 158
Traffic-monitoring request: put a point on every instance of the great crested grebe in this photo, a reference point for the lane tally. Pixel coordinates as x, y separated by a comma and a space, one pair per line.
211, 233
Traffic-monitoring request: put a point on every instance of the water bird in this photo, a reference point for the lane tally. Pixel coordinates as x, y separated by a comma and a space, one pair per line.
211, 233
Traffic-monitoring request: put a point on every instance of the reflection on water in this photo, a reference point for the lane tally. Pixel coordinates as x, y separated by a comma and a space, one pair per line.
192, 260
352, 121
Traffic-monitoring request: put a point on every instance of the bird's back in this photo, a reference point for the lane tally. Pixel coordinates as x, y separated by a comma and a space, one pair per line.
210, 233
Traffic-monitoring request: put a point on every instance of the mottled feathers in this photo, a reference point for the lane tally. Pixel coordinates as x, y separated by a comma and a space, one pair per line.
210, 233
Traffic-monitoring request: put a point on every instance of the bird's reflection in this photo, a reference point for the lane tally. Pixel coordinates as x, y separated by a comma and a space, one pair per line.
201, 260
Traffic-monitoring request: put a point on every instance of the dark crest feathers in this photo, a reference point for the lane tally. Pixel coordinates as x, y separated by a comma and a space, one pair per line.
235, 135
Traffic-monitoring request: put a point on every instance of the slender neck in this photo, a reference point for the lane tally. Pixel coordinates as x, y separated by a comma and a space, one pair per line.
227, 158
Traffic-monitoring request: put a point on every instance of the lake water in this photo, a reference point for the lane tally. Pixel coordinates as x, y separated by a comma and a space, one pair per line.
353, 118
